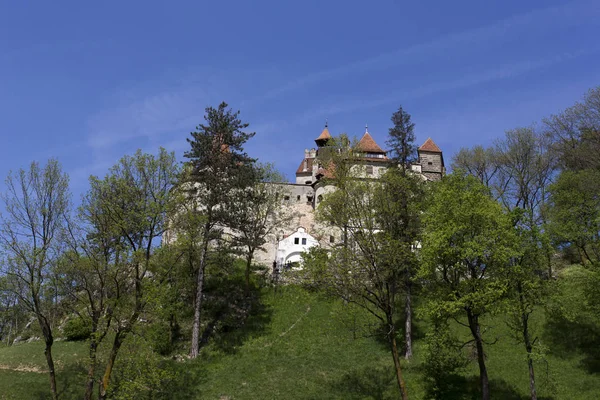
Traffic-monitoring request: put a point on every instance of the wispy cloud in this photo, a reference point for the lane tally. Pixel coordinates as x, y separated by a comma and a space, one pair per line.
550, 18
467, 80
149, 117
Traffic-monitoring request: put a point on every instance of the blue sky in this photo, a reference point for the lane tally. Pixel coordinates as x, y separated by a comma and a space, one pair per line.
89, 83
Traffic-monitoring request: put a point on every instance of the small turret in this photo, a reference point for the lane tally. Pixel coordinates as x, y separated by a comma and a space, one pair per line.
324, 137
431, 160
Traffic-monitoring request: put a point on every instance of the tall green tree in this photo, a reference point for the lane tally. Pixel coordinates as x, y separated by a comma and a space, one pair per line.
124, 216
260, 213
218, 168
399, 204
401, 140
525, 170
366, 267
400, 197
574, 214
468, 242
32, 235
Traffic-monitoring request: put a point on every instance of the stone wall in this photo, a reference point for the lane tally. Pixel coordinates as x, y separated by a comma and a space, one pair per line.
432, 165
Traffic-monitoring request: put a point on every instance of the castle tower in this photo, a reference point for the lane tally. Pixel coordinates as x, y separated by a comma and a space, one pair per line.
323, 138
431, 160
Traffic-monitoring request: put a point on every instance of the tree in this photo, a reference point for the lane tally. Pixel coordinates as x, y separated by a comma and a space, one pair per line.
401, 196
477, 161
574, 214
259, 214
367, 267
468, 242
124, 216
526, 292
402, 140
525, 170
399, 204
575, 133
32, 234
93, 278
218, 168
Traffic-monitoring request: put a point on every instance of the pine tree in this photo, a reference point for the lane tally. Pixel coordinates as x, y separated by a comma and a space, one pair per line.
400, 211
218, 168
402, 140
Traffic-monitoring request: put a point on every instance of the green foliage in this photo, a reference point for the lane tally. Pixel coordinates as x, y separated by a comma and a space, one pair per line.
158, 336
443, 361
402, 139
575, 297
77, 328
575, 213
468, 242
140, 373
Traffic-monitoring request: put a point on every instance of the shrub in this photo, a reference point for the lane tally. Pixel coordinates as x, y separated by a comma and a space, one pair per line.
159, 337
77, 328
443, 361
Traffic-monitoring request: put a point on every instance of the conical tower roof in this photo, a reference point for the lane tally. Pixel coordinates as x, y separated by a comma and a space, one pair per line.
368, 144
430, 146
323, 137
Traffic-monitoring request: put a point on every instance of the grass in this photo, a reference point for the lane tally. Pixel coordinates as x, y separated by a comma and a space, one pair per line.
23, 370
297, 345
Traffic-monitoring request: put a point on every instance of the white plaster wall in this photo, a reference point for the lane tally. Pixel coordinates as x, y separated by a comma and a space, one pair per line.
288, 251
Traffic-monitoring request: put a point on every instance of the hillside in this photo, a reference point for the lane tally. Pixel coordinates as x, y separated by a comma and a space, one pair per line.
299, 345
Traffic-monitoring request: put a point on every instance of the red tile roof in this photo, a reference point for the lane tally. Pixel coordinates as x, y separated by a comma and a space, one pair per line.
324, 135
309, 166
429, 145
368, 145
328, 172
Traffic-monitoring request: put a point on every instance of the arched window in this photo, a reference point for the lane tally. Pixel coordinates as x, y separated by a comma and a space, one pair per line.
319, 198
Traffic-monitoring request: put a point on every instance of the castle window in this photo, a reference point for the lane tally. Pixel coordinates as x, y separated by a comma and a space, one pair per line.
369, 170
298, 197
374, 155
304, 241
429, 163
319, 198
331, 239
296, 240
286, 197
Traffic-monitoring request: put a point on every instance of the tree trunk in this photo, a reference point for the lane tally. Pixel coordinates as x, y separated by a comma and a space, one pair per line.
528, 344
49, 340
195, 346
394, 348
531, 378
408, 323
483, 376
89, 387
248, 268
51, 371
119, 337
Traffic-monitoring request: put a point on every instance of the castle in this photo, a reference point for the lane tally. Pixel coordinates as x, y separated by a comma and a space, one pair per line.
303, 197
